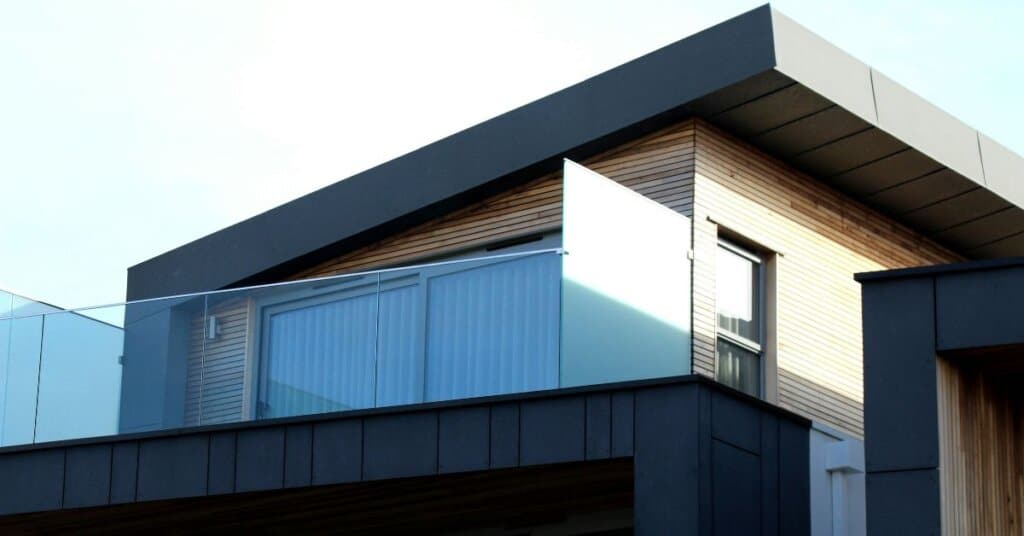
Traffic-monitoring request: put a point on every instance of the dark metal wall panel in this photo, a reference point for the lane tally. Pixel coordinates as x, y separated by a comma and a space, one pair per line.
978, 309
622, 423
337, 451
770, 503
667, 461
552, 430
794, 478
464, 442
87, 476
400, 445
124, 466
904, 502
736, 422
682, 475
599, 426
901, 425
504, 436
32, 481
259, 459
172, 467
221, 478
298, 456
736, 490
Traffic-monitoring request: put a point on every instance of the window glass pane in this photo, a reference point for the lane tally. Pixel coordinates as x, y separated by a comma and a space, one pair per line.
739, 368
736, 287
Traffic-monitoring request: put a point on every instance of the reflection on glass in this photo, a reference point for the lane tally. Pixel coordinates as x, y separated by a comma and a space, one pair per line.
736, 294
79, 376
739, 368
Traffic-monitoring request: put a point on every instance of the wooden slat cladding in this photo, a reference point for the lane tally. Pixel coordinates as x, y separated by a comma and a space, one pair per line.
216, 368
820, 239
659, 166
981, 449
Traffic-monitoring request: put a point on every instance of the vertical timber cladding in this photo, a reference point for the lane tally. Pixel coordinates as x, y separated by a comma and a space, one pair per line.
981, 449
659, 166
821, 238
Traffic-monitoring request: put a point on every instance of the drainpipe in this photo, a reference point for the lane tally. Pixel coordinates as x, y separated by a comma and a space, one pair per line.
842, 458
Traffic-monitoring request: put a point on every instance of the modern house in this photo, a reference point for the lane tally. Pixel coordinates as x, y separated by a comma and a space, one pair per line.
626, 307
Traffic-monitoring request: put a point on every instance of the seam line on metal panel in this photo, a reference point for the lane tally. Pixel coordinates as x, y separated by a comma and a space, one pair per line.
972, 220
874, 96
1000, 239
830, 142
748, 101
940, 201
791, 121
981, 158
868, 163
907, 181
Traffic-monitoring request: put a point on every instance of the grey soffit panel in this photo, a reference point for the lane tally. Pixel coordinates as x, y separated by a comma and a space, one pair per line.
955, 210
887, 171
771, 110
985, 230
808, 132
920, 192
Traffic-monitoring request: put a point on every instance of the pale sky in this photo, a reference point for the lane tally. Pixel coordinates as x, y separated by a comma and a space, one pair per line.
130, 128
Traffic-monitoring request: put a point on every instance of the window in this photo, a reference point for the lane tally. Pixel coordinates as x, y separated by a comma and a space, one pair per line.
739, 298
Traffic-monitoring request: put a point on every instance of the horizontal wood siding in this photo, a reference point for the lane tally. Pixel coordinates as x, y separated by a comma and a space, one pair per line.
981, 450
821, 238
216, 368
658, 166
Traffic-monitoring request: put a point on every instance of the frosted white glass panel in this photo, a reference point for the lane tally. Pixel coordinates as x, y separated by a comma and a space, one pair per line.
493, 329
626, 283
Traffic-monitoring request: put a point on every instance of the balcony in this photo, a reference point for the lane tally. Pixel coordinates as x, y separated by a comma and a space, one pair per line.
609, 303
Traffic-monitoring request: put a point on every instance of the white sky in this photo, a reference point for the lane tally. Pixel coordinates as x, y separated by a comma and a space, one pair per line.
130, 128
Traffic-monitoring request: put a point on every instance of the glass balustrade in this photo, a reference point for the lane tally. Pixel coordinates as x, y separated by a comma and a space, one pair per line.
612, 304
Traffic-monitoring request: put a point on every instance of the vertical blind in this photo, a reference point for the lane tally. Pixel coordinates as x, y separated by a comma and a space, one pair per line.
454, 331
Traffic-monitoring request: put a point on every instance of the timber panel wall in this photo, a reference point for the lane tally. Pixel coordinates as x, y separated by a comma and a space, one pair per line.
822, 238
981, 449
659, 166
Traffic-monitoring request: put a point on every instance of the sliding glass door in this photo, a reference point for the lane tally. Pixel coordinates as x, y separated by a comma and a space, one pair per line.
438, 332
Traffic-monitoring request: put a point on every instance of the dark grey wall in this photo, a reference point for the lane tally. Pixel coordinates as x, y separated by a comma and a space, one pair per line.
706, 460
909, 317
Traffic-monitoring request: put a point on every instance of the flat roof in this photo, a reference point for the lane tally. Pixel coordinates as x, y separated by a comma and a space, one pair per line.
759, 75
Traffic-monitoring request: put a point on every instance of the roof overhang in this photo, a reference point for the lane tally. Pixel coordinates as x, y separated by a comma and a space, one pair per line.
760, 76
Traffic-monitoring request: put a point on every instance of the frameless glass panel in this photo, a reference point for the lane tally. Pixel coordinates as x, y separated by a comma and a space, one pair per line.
318, 348
736, 289
21, 376
79, 375
492, 327
626, 284
739, 368
159, 344
400, 338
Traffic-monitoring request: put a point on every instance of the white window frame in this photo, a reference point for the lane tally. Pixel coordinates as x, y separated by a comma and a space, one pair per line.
734, 338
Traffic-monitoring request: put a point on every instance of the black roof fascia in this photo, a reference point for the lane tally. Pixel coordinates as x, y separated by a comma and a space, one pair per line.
635, 98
